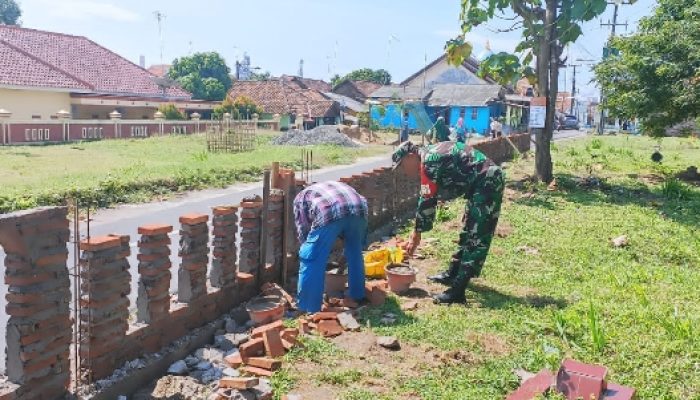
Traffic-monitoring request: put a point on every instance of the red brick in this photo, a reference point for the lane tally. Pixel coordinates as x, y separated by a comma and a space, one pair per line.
324, 315
39, 365
18, 311
273, 343
250, 223
376, 292
615, 392
100, 243
349, 303
24, 298
258, 332
329, 328
290, 334
193, 219
56, 344
234, 360
152, 257
251, 204
533, 387
155, 229
287, 344
304, 326
156, 244
252, 348
245, 278
597, 371
51, 260
26, 280
241, 383
265, 362
224, 210
42, 334
257, 371
574, 385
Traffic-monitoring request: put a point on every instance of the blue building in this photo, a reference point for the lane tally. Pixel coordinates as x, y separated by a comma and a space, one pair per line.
437, 90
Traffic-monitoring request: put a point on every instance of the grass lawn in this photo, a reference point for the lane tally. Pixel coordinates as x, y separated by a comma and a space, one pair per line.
118, 171
553, 287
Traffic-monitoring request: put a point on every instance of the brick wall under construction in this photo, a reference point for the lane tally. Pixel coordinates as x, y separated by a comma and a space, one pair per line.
251, 243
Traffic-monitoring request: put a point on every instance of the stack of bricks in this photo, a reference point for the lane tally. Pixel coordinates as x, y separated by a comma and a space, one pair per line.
225, 229
39, 329
275, 222
153, 302
250, 237
105, 284
194, 257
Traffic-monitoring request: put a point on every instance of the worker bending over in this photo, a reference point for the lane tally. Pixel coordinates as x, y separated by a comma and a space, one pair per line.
323, 212
463, 170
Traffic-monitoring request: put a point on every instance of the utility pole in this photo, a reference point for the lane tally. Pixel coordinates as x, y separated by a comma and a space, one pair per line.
607, 52
573, 88
160, 17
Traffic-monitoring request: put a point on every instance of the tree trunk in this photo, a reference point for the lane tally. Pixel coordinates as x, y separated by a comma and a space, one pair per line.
548, 74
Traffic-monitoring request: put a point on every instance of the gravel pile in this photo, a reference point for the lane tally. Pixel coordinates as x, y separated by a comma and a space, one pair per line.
324, 134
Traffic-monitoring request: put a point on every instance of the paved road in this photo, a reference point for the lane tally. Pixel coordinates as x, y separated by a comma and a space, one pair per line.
126, 219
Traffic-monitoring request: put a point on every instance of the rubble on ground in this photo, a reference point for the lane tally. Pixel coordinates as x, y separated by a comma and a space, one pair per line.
324, 134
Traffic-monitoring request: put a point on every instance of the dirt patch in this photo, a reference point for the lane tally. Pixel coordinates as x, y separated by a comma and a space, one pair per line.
504, 229
364, 365
174, 388
492, 344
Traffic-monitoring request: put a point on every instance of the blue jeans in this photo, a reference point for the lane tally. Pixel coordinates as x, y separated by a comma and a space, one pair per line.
313, 257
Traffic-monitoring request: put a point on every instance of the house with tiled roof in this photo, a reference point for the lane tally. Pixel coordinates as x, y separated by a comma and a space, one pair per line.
318, 85
288, 100
42, 73
357, 90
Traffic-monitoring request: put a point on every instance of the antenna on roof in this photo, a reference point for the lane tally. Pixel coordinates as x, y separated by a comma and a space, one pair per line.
160, 17
301, 68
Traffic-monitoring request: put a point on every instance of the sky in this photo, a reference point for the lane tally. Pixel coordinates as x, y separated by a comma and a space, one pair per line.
331, 36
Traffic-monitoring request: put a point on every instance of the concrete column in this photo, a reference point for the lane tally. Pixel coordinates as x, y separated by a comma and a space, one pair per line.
223, 269
153, 301
4, 126
194, 253
39, 329
105, 283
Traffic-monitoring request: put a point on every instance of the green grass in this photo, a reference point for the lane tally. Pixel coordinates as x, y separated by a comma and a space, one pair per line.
635, 309
119, 171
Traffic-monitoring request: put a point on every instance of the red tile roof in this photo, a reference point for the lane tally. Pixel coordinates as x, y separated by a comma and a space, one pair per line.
367, 87
77, 59
18, 68
308, 83
159, 69
281, 96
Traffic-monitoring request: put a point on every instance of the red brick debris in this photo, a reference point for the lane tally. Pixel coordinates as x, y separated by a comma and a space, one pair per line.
574, 380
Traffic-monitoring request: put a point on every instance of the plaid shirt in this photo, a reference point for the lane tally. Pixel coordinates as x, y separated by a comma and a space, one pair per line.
323, 203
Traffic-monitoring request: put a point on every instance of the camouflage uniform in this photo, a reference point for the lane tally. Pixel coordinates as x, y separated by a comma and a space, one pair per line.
463, 170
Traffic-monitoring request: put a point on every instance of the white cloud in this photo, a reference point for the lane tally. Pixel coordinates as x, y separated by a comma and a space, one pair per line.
88, 9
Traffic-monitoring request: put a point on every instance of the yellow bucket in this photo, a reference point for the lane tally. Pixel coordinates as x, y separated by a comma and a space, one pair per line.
376, 260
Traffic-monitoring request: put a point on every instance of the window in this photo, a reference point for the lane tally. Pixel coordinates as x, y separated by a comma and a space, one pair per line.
475, 113
36, 116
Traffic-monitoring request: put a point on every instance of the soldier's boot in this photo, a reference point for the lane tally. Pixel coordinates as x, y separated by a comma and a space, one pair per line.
446, 277
455, 293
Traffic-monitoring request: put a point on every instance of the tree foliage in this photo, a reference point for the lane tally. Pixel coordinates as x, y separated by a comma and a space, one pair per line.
205, 75
241, 107
9, 12
656, 76
171, 113
380, 76
547, 26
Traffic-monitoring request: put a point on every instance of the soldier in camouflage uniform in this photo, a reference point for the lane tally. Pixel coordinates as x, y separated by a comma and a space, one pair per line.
463, 170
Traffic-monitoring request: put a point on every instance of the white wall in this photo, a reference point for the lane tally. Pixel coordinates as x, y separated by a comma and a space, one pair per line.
23, 104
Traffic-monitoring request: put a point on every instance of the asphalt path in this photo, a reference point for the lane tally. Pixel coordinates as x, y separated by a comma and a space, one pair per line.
125, 219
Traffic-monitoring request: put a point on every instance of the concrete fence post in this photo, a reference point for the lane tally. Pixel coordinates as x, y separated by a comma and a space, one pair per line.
194, 253
38, 331
225, 230
105, 282
153, 301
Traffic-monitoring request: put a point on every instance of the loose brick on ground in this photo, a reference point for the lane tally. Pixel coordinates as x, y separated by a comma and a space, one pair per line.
252, 348
324, 315
240, 383
258, 332
329, 328
257, 371
265, 362
273, 343
234, 360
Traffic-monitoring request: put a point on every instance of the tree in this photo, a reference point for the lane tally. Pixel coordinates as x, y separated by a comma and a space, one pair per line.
241, 107
171, 113
656, 75
205, 75
547, 27
9, 12
380, 76
264, 76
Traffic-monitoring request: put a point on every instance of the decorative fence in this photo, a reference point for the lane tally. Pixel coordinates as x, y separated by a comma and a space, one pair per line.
211, 281
69, 130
